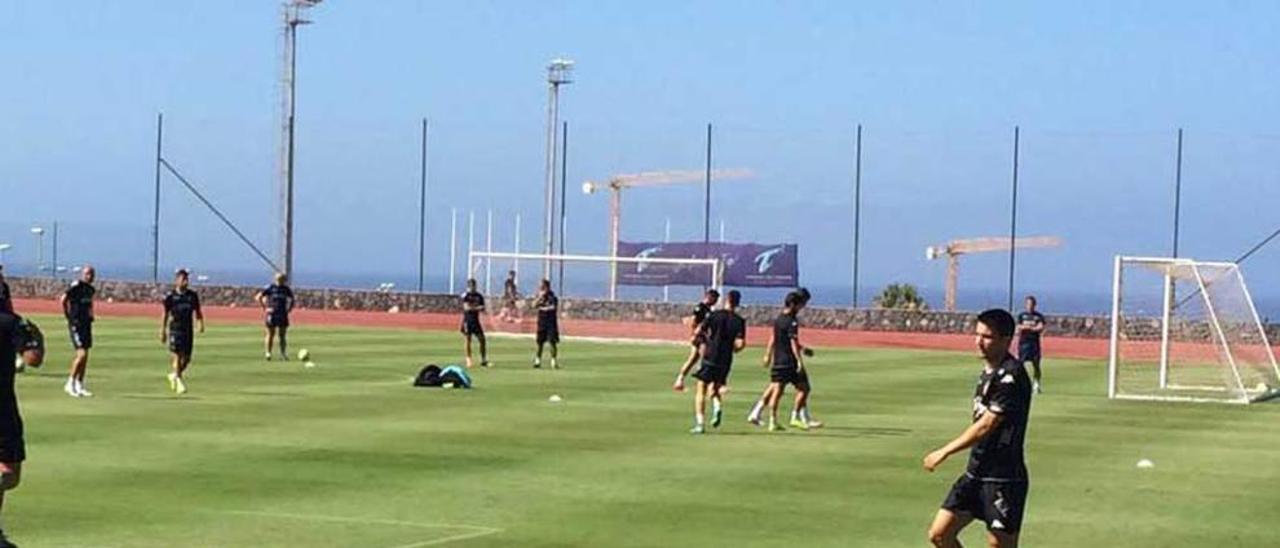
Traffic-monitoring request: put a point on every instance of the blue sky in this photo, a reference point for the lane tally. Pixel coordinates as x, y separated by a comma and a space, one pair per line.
1098, 88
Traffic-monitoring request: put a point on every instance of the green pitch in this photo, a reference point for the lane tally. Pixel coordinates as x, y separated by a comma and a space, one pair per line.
348, 454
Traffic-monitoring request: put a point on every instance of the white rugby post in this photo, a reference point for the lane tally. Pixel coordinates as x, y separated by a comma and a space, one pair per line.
453, 247
716, 266
488, 265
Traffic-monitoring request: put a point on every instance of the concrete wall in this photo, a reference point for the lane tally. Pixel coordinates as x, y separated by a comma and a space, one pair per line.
342, 299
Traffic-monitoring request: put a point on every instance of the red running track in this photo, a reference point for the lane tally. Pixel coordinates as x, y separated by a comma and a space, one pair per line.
1063, 347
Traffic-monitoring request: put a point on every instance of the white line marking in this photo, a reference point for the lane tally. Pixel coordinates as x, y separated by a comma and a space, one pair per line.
602, 340
476, 530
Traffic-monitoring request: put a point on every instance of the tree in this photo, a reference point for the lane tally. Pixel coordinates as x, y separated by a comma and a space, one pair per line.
901, 297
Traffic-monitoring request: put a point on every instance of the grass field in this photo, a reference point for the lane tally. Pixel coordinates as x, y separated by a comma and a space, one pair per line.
348, 454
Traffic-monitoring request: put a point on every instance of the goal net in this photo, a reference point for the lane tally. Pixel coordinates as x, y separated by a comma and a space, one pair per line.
581, 276
1185, 330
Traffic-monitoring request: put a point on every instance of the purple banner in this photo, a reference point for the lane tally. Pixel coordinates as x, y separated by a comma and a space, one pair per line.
746, 265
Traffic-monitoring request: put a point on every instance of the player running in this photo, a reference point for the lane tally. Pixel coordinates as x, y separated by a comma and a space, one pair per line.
1030, 326
722, 334
19, 340
77, 306
177, 327
472, 307
694, 321
800, 417
548, 306
993, 488
277, 301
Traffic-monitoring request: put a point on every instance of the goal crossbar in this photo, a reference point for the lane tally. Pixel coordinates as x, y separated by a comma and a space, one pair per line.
714, 280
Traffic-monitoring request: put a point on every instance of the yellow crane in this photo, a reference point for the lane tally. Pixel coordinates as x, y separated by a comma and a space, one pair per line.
954, 249
643, 179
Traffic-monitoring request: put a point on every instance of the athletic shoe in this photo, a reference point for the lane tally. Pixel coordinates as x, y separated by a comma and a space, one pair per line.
814, 424
775, 427
1036, 387
173, 382
70, 389
268, 356
755, 420
799, 424
555, 364
537, 363
716, 416
181, 386
486, 363
698, 429
83, 392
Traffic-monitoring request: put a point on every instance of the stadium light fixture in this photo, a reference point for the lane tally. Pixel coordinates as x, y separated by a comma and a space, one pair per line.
559, 72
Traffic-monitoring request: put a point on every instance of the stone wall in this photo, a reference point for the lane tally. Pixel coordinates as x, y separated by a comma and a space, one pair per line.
864, 319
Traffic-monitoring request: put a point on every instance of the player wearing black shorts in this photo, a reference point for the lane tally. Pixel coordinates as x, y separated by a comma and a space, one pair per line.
1030, 327
694, 321
722, 334
277, 302
77, 306
548, 306
993, 488
19, 339
785, 357
800, 416
472, 307
177, 328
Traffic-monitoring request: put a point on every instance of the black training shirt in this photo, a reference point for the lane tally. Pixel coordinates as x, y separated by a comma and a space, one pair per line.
785, 329
472, 299
279, 299
1027, 319
182, 307
721, 329
1005, 391
548, 306
79, 308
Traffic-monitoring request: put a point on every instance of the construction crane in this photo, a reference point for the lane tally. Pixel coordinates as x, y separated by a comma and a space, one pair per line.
648, 178
954, 249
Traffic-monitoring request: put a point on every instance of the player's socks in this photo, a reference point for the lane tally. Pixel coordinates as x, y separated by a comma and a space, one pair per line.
181, 386
173, 382
1036, 386
555, 363
754, 416
70, 388
537, 362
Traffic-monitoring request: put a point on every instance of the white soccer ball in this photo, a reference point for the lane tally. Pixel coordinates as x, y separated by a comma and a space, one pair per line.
303, 354
555, 398
1146, 463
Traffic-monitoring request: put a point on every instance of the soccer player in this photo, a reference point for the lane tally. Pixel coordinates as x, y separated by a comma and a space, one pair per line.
694, 321
1030, 327
548, 306
785, 357
510, 299
18, 340
277, 300
993, 488
722, 334
77, 306
472, 307
800, 416
177, 326
6, 299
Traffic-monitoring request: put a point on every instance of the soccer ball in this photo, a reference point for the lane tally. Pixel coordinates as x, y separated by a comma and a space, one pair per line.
303, 355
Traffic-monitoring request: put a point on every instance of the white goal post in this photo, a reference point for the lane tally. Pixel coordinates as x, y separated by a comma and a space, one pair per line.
480, 261
1187, 330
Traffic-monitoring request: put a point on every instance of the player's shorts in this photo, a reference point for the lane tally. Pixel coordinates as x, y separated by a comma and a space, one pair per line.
714, 373
472, 327
277, 319
182, 341
81, 335
1029, 352
788, 375
548, 334
998, 504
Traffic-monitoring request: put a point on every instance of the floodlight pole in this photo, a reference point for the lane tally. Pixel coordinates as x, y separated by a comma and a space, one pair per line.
857, 210
293, 18
1013, 217
422, 212
155, 223
559, 71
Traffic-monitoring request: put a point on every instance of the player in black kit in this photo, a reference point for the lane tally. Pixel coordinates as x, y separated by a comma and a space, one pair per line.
277, 301
722, 334
177, 327
19, 339
77, 306
694, 321
548, 307
472, 307
993, 488
1030, 327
